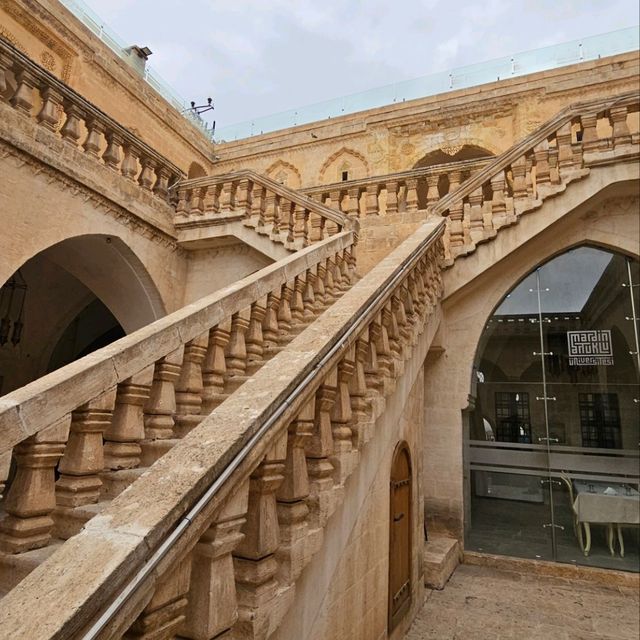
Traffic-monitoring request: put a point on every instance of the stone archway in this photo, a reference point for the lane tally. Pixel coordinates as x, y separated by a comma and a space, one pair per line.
400, 525
75, 296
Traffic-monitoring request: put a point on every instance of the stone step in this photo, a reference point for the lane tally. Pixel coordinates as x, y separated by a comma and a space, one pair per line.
441, 555
14, 567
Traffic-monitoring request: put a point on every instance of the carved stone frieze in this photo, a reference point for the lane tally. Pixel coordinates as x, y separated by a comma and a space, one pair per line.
121, 215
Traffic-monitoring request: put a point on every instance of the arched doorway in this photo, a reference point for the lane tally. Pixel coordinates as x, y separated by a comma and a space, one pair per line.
68, 300
551, 445
400, 522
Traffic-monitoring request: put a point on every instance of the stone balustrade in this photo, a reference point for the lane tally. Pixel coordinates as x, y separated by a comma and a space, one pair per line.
400, 192
210, 541
582, 136
83, 433
37, 94
270, 208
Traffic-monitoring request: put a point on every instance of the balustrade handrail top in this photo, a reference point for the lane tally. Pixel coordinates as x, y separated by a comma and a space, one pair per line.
41, 403
401, 175
513, 153
88, 107
280, 189
243, 446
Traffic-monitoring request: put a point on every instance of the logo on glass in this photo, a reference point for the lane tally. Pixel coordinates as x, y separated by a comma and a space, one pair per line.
590, 347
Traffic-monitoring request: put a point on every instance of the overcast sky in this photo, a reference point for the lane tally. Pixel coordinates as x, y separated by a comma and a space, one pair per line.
257, 57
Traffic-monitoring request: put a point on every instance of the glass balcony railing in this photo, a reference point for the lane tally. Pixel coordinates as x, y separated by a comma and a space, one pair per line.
519, 64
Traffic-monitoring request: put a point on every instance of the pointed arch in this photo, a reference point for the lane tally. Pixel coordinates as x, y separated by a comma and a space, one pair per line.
356, 166
285, 173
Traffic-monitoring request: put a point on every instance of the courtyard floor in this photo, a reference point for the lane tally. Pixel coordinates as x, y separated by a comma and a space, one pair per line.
484, 603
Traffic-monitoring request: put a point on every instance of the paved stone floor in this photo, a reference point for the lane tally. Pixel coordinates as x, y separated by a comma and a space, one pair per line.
483, 603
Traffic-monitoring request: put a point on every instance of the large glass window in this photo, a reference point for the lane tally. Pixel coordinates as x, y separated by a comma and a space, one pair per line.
552, 441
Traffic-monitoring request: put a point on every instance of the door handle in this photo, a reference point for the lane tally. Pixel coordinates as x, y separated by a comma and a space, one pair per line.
398, 517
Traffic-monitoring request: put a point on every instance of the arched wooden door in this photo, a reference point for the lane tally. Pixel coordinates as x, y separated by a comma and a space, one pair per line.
400, 535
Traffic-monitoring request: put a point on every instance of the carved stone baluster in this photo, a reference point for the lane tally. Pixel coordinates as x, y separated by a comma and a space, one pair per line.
498, 202
30, 499
520, 193
5, 465
165, 613
257, 205
297, 303
269, 214
371, 200
255, 339
324, 272
378, 332
392, 197
123, 435
317, 280
390, 323
565, 149
284, 227
212, 607
344, 457
291, 498
403, 324
214, 367
23, 99
71, 129
129, 167
476, 219
270, 327
254, 558
360, 423
309, 297
147, 175
621, 133
112, 155
49, 115
353, 205
455, 178
590, 139
541, 155
189, 387
374, 374
456, 227
243, 199
340, 282
210, 204
161, 188
226, 197
319, 450
315, 228
161, 405
554, 174
83, 458
433, 195
299, 235
196, 209
412, 195
237, 348
183, 207
284, 313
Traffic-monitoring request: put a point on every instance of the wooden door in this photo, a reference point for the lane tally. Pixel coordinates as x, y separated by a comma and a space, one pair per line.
400, 536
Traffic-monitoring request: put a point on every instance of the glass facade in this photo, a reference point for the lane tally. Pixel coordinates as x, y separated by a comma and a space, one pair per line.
551, 450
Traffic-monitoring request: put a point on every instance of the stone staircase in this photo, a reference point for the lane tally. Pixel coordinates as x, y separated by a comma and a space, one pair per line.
192, 467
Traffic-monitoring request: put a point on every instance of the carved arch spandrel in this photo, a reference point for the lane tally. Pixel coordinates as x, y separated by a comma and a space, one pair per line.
357, 165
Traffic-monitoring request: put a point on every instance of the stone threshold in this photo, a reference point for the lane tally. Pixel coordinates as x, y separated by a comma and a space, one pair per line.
592, 575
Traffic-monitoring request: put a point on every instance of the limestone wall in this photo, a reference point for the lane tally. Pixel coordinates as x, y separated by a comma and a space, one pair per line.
396, 137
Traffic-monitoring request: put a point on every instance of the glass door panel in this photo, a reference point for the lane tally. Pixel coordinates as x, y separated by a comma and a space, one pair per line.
591, 378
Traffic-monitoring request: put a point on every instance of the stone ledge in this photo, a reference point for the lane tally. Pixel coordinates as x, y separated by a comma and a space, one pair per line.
441, 556
573, 573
